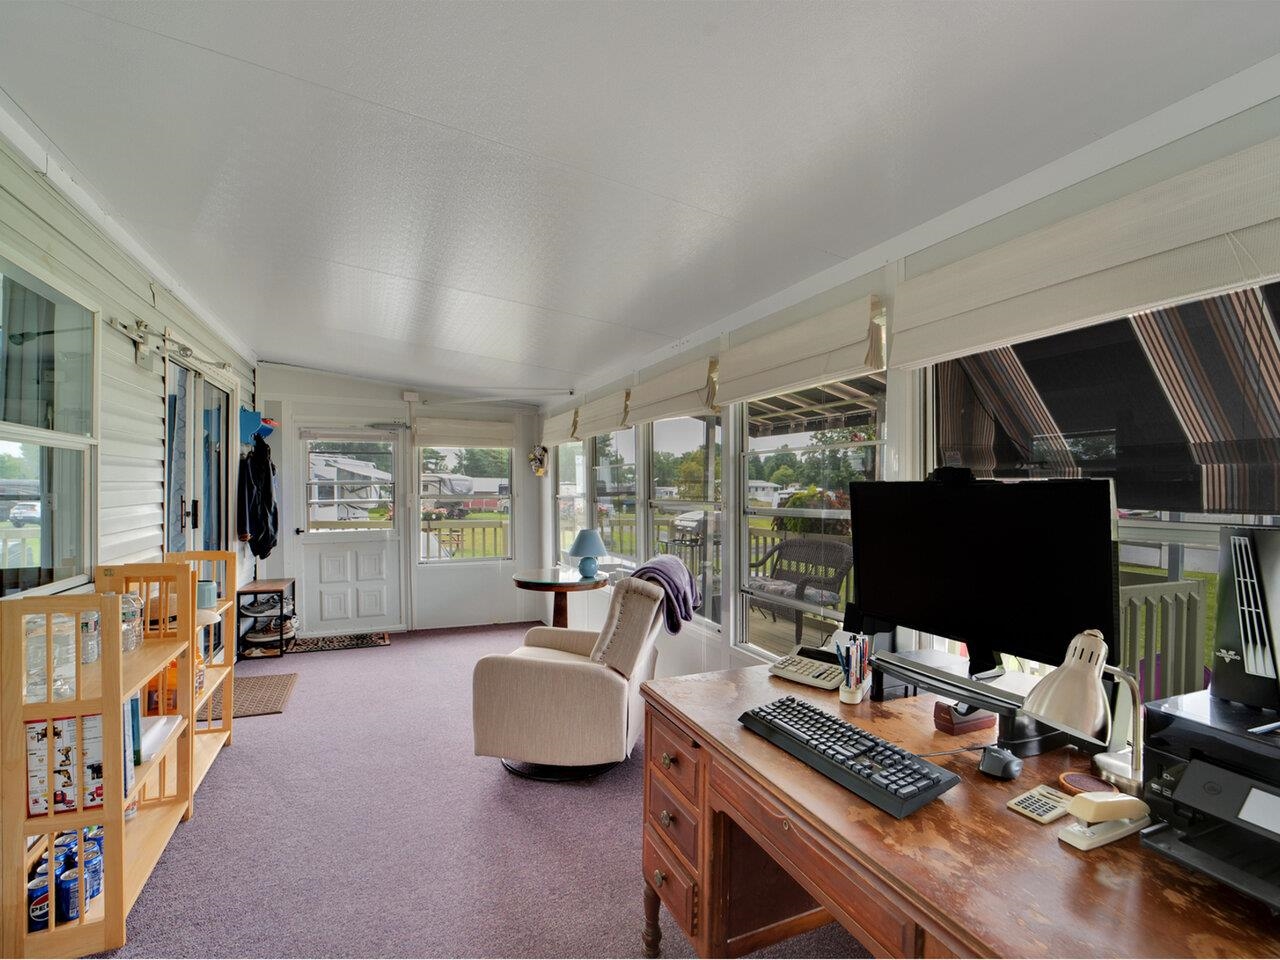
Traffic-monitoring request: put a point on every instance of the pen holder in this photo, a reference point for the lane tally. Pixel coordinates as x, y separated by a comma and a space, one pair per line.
855, 693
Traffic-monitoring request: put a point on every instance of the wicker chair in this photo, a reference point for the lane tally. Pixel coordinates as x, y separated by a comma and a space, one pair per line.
800, 569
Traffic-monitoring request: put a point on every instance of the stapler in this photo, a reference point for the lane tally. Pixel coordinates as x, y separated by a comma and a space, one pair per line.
1103, 817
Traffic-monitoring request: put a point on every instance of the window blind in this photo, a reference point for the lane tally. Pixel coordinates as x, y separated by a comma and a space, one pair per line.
560, 428
1202, 232
603, 415
686, 391
436, 432
831, 346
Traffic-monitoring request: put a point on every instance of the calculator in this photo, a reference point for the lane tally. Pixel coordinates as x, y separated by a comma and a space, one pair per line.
1043, 804
811, 666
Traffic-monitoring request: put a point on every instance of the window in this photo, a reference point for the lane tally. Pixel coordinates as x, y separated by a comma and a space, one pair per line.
465, 503
802, 450
614, 470
350, 484
685, 500
1178, 407
571, 494
46, 416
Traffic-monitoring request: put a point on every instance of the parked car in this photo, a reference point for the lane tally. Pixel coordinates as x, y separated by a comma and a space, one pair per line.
26, 511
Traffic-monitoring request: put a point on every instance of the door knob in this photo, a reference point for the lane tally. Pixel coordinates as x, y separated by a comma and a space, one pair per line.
667, 761
666, 819
299, 530
659, 878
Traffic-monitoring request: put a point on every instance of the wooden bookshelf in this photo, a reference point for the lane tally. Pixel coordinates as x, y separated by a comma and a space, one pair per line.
163, 784
219, 668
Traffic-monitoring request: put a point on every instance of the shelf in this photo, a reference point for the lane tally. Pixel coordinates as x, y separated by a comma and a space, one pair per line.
208, 744
213, 678
143, 770
85, 935
145, 837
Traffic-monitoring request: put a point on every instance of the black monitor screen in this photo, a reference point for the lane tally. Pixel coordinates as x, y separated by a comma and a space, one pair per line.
1016, 568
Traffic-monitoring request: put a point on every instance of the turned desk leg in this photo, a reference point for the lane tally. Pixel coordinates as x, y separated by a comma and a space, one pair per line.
652, 937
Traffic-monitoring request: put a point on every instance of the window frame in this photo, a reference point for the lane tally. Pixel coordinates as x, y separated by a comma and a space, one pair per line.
419, 500
86, 444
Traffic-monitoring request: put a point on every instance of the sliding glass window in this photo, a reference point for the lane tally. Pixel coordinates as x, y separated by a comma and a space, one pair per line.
802, 450
685, 501
614, 482
46, 421
465, 503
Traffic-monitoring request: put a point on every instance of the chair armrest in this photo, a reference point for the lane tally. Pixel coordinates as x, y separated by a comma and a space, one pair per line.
581, 642
752, 564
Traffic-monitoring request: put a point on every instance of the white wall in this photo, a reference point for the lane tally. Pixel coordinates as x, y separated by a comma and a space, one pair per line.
44, 234
439, 594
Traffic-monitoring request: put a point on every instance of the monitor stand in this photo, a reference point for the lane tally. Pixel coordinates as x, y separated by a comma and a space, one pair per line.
1018, 733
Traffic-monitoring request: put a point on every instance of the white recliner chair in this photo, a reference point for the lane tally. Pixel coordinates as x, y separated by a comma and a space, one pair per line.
567, 703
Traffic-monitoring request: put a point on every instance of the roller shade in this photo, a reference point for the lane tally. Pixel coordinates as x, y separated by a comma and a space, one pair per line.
561, 428
686, 391
603, 415
432, 432
832, 346
1202, 232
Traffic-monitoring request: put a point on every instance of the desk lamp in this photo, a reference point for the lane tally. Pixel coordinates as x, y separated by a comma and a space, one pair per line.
588, 546
1073, 699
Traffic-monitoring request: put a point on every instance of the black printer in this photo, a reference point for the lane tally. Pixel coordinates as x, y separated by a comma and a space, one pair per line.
1213, 776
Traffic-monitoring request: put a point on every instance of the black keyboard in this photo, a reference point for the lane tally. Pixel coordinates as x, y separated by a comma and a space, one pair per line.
882, 773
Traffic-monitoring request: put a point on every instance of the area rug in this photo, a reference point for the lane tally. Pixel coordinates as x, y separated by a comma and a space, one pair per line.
344, 641
256, 696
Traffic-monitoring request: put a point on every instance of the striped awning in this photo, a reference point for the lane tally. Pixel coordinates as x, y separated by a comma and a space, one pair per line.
1218, 362
1004, 388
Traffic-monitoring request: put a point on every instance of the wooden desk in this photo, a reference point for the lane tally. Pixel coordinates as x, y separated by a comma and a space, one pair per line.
745, 845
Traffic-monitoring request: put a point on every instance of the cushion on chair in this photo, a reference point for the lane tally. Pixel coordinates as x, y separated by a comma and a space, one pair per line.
628, 624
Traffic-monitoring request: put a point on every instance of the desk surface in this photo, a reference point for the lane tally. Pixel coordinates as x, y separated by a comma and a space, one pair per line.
994, 879
558, 579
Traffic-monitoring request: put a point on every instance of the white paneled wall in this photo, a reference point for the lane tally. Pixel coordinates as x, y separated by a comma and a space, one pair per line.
130, 456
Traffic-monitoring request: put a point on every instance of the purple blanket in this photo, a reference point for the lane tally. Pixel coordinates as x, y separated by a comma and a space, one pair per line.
678, 583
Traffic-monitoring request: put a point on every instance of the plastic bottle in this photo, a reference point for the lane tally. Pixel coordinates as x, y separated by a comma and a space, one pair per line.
130, 622
90, 637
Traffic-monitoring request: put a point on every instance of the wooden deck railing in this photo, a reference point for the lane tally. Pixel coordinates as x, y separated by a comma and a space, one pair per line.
1162, 635
465, 539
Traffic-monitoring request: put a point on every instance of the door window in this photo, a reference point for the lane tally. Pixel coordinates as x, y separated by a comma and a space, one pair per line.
350, 484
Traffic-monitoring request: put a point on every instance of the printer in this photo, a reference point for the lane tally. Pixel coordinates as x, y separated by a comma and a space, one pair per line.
1212, 770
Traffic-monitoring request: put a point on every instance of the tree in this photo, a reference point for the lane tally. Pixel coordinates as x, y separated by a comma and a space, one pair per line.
783, 476
755, 467
782, 457
17, 468
483, 462
433, 460
691, 482
665, 466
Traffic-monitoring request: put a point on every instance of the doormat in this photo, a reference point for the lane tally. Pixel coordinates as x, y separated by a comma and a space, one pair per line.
343, 641
256, 696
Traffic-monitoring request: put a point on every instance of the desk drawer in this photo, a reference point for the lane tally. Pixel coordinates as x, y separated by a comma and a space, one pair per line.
676, 754
669, 879
671, 819
885, 930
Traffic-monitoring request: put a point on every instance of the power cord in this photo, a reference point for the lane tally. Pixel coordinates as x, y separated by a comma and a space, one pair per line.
958, 750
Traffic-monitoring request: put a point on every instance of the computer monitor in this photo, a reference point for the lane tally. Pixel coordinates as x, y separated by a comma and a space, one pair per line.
1017, 568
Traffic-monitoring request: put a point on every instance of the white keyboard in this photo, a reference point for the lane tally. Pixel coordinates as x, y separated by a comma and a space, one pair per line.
814, 673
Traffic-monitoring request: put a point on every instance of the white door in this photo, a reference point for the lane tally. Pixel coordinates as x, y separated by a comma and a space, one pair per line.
351, 549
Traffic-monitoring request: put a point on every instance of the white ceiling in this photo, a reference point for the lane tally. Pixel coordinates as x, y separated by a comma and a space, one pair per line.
496, 196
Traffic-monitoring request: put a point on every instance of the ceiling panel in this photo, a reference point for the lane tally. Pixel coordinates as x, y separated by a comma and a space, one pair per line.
550, 186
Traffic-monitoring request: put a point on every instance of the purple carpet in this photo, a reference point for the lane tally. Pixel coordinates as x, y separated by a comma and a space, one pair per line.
358, 823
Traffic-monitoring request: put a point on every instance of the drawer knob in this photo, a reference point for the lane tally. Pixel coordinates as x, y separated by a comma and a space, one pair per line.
667, 761
659, 878
666, 819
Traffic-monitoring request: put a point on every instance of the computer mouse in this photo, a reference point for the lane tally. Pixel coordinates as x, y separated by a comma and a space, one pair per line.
1000, 763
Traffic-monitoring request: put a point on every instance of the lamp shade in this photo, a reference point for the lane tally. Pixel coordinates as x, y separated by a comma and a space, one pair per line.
1072, 697
588, 544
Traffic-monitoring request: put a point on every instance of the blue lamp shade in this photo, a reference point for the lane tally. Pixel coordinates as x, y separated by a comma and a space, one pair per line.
588, 546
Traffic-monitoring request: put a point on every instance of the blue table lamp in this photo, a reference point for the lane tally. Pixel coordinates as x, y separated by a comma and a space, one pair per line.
588, 546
